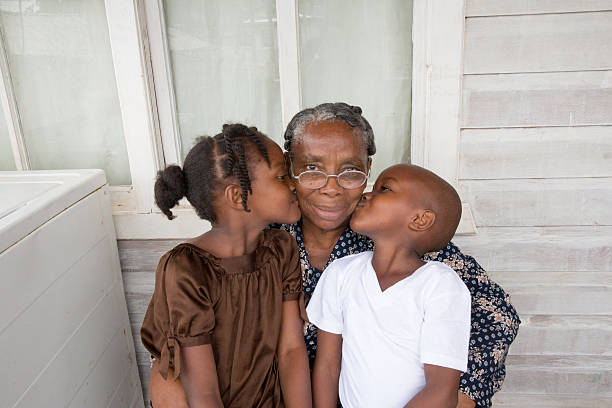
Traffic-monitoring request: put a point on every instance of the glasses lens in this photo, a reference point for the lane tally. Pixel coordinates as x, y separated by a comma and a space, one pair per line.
351, 179
312, 179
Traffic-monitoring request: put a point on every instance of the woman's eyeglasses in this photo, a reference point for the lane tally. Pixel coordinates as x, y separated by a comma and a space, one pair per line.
315, 179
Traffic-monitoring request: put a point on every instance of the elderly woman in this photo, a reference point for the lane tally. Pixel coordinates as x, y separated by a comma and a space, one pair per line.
330, 149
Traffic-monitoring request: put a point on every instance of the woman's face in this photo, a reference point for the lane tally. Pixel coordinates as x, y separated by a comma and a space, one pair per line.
332, 147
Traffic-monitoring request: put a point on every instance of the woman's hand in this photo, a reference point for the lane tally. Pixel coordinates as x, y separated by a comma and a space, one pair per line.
292, 360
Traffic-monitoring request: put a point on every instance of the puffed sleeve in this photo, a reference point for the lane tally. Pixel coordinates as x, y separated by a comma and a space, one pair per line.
290, 266
181, 312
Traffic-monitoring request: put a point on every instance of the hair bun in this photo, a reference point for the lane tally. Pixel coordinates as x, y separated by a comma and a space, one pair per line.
170, 187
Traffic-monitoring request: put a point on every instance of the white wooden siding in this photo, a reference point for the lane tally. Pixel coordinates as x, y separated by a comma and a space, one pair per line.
538, 43
545, 152
536, 168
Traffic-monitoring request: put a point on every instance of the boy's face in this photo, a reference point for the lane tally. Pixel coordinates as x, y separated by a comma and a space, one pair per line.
390, 205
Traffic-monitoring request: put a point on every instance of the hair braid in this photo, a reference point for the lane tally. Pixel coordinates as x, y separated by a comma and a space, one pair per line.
207, 163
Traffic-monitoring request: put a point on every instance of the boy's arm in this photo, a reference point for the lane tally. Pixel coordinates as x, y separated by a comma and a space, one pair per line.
440, 391
292, 359
199, 377
326, 372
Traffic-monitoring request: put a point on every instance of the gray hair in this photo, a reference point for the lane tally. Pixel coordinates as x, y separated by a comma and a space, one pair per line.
351, 115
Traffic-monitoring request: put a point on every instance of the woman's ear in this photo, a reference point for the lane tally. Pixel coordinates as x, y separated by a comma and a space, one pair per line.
233, 196
422, 220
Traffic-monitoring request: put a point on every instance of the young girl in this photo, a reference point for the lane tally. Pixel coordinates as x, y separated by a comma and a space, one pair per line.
224, 315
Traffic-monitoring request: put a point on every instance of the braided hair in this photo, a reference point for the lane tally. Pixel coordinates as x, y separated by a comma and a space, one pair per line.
351, 115
208, 164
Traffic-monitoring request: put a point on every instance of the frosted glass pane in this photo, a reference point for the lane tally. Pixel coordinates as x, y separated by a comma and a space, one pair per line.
62, 70
225, 66
6, 154
360, 52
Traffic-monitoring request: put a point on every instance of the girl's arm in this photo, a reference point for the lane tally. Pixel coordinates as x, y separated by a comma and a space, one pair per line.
199, 377
440, 391
326, 372
292, 360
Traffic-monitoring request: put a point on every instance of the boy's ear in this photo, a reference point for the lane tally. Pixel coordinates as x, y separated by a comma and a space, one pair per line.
233, 196
422, 220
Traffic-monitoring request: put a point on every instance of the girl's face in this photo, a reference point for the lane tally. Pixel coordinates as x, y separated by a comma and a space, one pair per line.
273, 199
332, 147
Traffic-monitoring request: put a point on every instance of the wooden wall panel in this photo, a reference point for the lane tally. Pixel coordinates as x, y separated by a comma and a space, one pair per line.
505, 7
536, 249
565, 375
563, 335
522, 400
542, 99
538, 43
543, 202
536, 152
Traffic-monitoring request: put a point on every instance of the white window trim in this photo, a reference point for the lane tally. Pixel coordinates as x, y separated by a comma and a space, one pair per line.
437, 91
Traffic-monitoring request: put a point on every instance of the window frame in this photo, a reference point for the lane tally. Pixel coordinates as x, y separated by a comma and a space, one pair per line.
143, 76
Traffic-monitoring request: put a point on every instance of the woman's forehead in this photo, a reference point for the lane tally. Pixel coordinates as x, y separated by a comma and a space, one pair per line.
330, 138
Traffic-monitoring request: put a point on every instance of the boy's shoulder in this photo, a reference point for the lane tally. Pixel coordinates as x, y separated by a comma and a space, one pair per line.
441, 277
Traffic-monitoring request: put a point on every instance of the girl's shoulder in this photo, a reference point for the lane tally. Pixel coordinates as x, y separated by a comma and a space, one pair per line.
186, 259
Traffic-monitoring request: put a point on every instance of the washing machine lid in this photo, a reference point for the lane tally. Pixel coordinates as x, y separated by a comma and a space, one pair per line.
28, 199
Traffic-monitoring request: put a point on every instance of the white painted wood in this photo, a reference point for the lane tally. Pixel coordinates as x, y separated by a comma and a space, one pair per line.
106, 376
547, 202
524, 249
437, 74
536, 152
552, 299
164, 84
538, 43
70, 295
513, 279
563, 335
62, 233
11, 112
437, 35
576, 375
123, 200
134, 97
288, 58
75, 297
537, 99
155, 225
503, 7
518, 400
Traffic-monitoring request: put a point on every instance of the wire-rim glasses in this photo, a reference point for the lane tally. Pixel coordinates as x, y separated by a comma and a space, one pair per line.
315, 179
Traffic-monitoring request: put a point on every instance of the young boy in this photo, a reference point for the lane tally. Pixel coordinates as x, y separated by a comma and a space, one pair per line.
393, 330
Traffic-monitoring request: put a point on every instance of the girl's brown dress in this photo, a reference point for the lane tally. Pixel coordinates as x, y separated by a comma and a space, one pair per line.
235, 305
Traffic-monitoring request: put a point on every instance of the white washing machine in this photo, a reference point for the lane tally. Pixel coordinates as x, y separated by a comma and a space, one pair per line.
65, 338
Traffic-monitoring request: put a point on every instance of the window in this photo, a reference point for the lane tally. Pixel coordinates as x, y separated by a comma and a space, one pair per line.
127, 85
63, 85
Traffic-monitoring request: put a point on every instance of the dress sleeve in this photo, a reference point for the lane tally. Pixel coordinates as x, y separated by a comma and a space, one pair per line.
181, 311
290, 264
494, 326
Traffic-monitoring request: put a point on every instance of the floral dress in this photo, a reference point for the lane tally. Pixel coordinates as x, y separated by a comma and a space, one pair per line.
494, 320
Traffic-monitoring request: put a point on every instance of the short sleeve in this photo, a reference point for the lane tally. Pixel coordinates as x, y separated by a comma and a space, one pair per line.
324, 308
181, 311
290, 266
446, 325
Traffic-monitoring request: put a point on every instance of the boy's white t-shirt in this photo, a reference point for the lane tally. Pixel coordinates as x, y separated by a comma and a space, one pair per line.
388, 336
